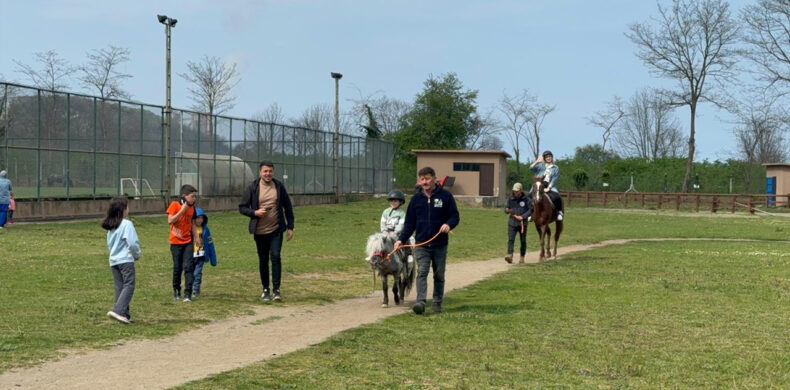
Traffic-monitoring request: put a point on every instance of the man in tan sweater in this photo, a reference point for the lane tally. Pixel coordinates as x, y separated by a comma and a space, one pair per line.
268, 205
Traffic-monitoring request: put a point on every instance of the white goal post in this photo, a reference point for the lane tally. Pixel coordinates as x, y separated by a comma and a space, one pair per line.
138, 185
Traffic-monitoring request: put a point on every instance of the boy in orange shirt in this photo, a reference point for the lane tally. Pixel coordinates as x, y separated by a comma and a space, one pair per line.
179, 216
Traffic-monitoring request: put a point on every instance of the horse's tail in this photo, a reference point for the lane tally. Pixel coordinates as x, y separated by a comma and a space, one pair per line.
410, 274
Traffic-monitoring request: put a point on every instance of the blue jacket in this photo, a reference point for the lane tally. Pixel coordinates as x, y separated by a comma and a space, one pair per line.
521, 206
426, 216
554, 174
5, 190
208, 242
123, 244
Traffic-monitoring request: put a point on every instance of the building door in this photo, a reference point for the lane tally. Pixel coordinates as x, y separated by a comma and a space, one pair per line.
486, 179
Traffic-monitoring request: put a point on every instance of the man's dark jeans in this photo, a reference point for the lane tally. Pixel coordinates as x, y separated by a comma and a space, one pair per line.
269, 246
435, 258
511, 238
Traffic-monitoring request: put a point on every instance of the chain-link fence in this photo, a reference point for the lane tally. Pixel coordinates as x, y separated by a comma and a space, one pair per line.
66, 145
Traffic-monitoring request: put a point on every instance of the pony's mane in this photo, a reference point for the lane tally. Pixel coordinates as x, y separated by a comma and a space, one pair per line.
377, 243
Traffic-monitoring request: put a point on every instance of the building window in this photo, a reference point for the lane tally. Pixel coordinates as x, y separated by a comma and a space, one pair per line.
462, 166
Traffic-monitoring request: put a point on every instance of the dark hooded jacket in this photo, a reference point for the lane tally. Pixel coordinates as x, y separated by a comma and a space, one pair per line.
208, 242
426, 216
249, 203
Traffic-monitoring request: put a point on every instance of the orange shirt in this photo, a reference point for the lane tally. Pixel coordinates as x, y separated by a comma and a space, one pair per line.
181, 230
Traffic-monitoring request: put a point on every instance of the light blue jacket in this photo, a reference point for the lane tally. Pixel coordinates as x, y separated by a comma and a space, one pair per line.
554, 174
5, 190
123, 244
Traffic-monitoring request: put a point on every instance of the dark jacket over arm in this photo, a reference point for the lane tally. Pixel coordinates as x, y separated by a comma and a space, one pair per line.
249, 203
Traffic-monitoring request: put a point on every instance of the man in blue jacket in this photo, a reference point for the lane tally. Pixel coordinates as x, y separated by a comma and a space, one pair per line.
431, 211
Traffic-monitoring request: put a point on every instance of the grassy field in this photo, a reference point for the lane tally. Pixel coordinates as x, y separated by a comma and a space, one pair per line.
56, 284
643, 315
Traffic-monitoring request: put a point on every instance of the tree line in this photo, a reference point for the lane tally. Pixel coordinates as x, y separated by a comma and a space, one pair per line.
738, 62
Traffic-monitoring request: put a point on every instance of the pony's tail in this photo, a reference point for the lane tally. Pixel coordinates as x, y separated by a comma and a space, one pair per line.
411, 273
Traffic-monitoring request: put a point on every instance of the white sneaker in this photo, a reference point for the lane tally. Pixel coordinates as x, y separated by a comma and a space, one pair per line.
529, 219
559, 216
118, 317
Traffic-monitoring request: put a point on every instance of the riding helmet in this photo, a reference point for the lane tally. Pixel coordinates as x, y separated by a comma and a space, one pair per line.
548, 153
396, 194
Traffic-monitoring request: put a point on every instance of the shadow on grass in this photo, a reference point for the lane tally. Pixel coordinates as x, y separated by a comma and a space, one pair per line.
492, 308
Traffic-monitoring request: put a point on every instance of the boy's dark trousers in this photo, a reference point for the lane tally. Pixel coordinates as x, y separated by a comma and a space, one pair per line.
182, 262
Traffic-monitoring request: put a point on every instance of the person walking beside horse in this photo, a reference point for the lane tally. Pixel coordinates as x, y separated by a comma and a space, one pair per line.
519, 210
544, 167
432, 213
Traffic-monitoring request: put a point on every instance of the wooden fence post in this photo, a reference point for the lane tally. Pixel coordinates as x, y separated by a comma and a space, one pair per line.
751, 206
714, 205
604, 200
625, 200
696, 205
677, 202
734, 197
660, 200
643, 200
586, 199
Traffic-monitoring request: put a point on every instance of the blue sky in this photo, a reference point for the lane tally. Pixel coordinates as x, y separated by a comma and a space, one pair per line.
572, 53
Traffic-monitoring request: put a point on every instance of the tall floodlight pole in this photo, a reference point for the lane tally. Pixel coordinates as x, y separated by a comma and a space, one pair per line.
169, 23
336, 138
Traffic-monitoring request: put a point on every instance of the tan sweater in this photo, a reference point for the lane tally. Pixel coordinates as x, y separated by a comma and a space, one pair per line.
267, 200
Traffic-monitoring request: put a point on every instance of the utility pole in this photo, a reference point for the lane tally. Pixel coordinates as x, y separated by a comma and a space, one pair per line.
169, 23
336, 138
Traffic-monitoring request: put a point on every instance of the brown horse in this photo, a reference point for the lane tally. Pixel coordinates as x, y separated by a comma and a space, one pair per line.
543, 214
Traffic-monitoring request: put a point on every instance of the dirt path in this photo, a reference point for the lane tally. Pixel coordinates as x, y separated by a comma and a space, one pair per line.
235, 342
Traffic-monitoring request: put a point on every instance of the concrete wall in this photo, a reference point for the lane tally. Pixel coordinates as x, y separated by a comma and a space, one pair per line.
76, 209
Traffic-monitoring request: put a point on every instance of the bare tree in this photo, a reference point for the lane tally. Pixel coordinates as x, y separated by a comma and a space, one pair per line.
484, 133
490, 142
316, 117
101, 72
54, 73
768, 36
760, 131
515, 126
537, 114
273, 113
384, 111
649, 128
607, 118
212, 82
692, 41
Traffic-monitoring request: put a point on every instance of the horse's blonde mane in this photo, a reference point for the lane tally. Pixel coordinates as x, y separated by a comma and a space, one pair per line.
376, 243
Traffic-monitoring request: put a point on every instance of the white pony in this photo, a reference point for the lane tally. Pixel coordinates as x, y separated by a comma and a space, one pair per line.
400, 265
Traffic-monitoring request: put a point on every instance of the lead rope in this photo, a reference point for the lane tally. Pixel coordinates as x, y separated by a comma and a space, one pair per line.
415, 245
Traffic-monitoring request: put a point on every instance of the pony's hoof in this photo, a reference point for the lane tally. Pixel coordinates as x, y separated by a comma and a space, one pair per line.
384, 305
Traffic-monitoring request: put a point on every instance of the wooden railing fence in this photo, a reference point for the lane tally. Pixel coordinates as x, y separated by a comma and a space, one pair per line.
660, 200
